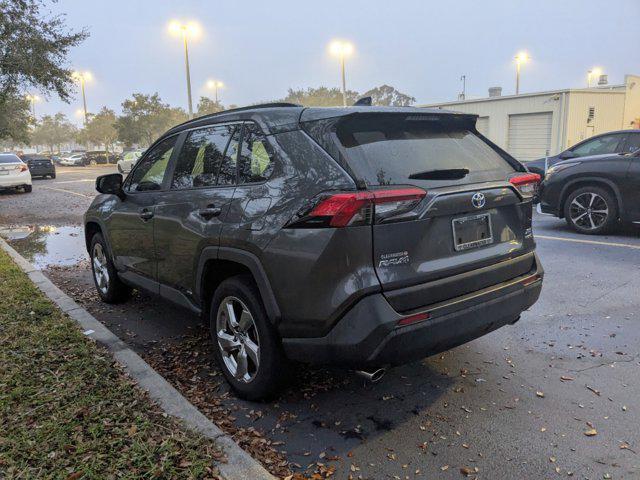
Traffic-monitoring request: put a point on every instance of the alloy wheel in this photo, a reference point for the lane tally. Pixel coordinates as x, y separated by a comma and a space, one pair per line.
589, 211
238, 339
100, 270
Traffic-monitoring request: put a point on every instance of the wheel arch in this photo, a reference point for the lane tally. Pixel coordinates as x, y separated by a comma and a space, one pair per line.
93, 226
90, 229
586, 182
216, 264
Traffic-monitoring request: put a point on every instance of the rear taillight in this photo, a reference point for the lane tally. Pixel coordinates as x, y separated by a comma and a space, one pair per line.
23, 168
357, 208
526, 183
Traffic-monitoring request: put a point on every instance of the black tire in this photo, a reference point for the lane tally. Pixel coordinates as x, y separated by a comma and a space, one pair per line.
591, 210
53, 176
115, 291
267, 379
120, 170
27, 188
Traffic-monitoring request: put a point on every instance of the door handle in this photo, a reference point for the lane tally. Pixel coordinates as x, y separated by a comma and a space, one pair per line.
146, 214
209, 212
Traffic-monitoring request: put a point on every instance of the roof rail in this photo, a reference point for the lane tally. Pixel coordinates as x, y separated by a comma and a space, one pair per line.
240, 109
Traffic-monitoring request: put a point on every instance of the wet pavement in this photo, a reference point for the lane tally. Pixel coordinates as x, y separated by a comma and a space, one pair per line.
555, 395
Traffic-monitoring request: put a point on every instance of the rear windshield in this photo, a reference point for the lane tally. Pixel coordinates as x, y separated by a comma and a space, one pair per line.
386, 150
9, 158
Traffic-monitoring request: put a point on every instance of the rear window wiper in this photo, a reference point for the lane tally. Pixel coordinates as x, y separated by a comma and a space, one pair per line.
443, 174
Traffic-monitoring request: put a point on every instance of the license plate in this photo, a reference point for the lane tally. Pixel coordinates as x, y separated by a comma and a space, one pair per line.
4, 172
472, 232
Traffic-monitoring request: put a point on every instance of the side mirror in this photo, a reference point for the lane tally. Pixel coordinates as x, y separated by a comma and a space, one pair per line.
111, 184
567, 154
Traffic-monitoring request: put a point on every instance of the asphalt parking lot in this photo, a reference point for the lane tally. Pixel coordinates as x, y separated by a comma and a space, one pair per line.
555, 395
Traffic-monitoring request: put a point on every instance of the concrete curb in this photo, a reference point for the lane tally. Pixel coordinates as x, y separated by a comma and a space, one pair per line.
239, 466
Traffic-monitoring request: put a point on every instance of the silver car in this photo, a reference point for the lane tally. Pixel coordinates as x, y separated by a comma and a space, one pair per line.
128, 160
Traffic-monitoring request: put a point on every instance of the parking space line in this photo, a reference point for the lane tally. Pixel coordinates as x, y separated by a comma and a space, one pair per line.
76, 181
591, 242
68, 191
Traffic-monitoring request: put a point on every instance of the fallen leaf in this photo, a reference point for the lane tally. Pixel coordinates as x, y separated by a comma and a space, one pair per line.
564, 378
597, 392
468, 470
540, 394
591, 432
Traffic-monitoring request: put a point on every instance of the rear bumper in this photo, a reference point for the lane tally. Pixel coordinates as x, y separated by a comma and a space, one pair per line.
8, 181
368, 334
45, 170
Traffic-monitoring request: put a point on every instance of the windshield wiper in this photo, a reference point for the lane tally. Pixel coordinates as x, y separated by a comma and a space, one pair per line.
444, 174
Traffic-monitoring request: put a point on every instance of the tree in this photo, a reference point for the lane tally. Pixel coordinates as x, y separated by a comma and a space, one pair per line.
53, 131
100, 129
15, 118
207, 106
387, 96
144, 118
320, 97
33, 52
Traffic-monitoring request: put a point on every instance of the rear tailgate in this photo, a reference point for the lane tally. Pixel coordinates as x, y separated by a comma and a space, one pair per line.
422, 262
470, 231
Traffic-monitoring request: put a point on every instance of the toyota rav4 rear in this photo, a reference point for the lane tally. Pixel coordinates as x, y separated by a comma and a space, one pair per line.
359, 236
433, 248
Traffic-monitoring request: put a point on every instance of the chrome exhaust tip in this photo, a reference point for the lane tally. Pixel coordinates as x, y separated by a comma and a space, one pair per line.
372, 377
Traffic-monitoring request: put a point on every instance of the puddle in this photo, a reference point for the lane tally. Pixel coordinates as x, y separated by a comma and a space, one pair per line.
46, 245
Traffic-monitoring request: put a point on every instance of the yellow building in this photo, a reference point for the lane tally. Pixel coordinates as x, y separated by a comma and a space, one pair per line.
532, 125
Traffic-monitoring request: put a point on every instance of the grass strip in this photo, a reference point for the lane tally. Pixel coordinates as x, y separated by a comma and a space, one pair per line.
67, 411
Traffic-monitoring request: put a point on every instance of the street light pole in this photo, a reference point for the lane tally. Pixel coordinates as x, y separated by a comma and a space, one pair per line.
186, 63
521, 58
82, 78
32, 100
342, 49
186, 29
214, 85
84, 99
344, 82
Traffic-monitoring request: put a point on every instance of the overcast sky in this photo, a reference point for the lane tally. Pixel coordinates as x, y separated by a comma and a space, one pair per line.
261, 48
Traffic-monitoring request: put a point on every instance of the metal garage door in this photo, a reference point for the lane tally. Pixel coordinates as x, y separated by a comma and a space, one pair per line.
482, 125
529, 135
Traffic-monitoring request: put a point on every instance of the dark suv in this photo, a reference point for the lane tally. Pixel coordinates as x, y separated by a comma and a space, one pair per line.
622, 141
359, 236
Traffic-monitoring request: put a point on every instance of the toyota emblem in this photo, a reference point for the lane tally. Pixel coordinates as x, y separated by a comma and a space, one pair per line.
478, 200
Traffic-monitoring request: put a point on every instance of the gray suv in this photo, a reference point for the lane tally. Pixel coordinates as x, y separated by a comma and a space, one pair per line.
360, 236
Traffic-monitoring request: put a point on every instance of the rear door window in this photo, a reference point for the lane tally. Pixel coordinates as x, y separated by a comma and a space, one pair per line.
202, 156
386, 150
256, 159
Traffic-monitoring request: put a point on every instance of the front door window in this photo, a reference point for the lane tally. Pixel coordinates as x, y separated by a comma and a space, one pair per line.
599, 146
150, 170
